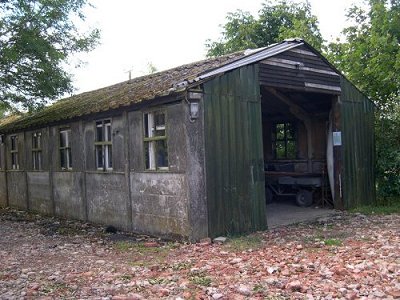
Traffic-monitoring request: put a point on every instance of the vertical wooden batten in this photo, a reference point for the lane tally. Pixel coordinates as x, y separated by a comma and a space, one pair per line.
127, 168
337, 155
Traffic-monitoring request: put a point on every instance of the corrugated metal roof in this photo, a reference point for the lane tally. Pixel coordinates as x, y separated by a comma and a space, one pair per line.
254, 57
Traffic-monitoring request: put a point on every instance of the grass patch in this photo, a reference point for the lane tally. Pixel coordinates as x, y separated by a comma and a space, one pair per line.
145, 256
200, 278
159, 280
124, 246
182, 266
141, 248
243, 243
392, 207
333, 242
55, 287
259, 288
126, 277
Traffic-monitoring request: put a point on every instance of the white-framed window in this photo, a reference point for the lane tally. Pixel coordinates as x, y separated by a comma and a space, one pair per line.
155, 141
65, 149
103, 145
14, 152
37, 150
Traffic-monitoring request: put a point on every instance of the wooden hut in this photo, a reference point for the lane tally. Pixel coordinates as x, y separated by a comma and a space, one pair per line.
194, 151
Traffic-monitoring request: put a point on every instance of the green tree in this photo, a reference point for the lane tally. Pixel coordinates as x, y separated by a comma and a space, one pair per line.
370, 57
274, 23
36, 38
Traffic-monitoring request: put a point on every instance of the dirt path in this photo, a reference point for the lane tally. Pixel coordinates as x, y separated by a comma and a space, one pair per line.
345, 257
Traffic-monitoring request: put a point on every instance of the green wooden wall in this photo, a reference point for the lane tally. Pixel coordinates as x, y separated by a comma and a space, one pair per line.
358, 140
234, 153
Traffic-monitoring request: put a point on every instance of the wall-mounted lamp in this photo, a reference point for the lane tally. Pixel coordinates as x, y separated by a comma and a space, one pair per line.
193, 99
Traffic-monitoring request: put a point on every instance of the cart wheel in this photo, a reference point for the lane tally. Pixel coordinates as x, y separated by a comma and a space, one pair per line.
269, 196
304, 198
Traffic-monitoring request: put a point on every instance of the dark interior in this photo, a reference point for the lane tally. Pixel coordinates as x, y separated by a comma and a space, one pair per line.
295, 128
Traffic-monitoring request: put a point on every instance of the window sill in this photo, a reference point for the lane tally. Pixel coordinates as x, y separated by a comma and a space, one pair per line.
104, 172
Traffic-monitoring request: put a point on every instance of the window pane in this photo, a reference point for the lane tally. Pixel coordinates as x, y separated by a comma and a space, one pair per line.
280, 131
109, 156
34, 141
36, 159
149, 125
108, 132
39, 160
14, 160
99, 157
63, 161
147, 155
290, 132
69, 160
99, 132
161, 154
13, 143
39, 140
150, 155
63, 138
159, 122
280, 149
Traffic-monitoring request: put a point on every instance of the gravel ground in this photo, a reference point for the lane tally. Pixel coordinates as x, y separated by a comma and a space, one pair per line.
342, 257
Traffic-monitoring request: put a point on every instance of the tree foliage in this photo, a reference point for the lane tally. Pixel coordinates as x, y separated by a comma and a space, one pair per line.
275, 22
370, 57
36, 38
371, 54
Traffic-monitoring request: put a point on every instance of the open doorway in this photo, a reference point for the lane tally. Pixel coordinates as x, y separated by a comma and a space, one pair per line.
297, 154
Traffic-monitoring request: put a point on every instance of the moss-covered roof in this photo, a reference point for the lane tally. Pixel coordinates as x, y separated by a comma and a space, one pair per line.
118, 95
9, 119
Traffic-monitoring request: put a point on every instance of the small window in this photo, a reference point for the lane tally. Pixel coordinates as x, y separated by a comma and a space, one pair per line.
284, 141
103, 145
14, 152
155, 141
65, 149
37, 150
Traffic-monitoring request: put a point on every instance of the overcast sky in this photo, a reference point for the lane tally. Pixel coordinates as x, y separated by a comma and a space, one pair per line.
168, 34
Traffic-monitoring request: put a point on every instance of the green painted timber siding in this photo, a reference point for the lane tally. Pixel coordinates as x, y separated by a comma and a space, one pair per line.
234, 153
358, 140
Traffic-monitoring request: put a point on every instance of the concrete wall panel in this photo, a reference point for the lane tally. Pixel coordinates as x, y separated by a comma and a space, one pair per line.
17, 189
67, 189
159, 204
3, 189
107, 198
39, 192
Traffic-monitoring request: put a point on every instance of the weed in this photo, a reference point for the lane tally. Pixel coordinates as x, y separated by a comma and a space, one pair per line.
258, 288
390, 208
244, 243
159, 280
333, 242
126, 277
200, 278
181, 266
123, 246
50, 288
